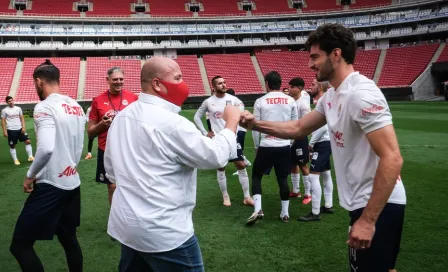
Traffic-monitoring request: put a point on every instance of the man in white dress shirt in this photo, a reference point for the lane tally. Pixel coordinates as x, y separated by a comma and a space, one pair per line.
152, 155
366, 154
320, 153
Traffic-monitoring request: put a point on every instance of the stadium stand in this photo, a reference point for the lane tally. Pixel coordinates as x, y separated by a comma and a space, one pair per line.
191, 74
106, 7
278, 6
404, 64
69, 68
366, 62
168, 8
288, 64
319, 5
444, 55
96, 73
62, 7
369, 3
7, 70
237, 69
224, 7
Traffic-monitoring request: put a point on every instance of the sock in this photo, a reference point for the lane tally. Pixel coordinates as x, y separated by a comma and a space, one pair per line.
246, 161
307, 185
295, 178
285, 207
222, 181
244, 181
257, 200
13, 153
328, 188
29, 150
317, 193
89, 153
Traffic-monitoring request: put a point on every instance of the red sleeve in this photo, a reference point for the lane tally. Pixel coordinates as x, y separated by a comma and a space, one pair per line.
94, 111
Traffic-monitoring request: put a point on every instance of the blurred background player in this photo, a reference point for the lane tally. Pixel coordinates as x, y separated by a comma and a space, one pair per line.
241, 135
104, 108
271, 151
14, 129
207, 119
215, 106
320, 152
90, 144
285, 91
299, 148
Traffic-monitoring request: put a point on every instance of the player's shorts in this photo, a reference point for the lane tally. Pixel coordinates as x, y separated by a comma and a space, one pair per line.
299, 152
239, 151
16, 135
241, 135
100, 171
320, 158
383, 252
272, 157
48, 210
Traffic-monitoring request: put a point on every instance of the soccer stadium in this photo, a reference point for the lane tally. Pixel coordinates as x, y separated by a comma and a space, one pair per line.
401, 46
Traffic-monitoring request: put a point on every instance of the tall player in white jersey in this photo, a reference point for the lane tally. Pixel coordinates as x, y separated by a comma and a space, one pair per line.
54, 205
320, 153
271, 151
299, 148
215, 106
14, 129
366, 153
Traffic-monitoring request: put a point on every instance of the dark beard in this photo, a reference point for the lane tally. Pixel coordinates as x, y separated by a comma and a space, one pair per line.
326, 72
41, 95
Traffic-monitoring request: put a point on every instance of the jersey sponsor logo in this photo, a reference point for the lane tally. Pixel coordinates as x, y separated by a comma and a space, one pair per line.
12, 116
339, 138
73, 110
271, 137
217, 115
228, 102
68, 171
125, 102
372, 109
111, 114
39, 115
277, 100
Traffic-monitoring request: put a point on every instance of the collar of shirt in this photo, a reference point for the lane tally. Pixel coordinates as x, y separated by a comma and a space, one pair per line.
344, 82
152, 99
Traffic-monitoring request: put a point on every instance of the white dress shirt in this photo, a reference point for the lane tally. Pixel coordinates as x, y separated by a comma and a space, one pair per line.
152, 154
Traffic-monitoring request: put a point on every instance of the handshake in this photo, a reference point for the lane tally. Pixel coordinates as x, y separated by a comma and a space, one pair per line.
233, 116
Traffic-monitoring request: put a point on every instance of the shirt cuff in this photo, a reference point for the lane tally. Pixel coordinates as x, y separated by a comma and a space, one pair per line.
231, 139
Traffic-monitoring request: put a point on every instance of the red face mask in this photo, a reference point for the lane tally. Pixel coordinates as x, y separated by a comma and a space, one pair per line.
177, 93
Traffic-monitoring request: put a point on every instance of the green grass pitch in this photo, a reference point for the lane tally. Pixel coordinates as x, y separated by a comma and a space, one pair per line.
271, 245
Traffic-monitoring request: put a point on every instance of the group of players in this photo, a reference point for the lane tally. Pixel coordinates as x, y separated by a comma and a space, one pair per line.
284, 155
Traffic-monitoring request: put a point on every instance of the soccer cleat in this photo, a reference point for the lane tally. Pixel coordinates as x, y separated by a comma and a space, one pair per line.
30, 158
226, 201
16, 162
284, 218
235, 174
324, 209
254, 218
292, 194
247, 162
248, 201
310, 217
306, 200
88, 156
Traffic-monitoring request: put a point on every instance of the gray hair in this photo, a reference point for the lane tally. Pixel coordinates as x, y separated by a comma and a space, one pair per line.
324, 85
114, 69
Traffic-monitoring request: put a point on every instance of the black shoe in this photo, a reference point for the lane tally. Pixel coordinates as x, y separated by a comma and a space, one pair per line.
310, 217
324, 209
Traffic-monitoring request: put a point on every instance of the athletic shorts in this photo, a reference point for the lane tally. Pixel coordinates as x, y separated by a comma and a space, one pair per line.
16, 135
100, 171
48, 210
320, 158
299, 152
239, 150
272, 157
383, 252
241, 135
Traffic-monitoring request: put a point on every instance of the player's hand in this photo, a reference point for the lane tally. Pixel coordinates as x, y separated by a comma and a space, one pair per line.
28, 185
211, 134
231, 114
361, 234
247, 120
23, 131
106, 121
5, 134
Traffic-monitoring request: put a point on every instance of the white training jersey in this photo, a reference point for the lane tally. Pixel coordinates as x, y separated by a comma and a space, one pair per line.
275, 107
303, 104
67, 117
355, 109
89, 109
320, 135
215, 108
12, 116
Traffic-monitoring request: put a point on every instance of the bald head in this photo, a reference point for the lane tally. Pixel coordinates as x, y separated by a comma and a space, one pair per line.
157, 68
317, 87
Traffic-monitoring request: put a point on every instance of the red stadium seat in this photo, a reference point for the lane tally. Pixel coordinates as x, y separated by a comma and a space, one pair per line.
366, 62
444, 55
7, 70
191, 74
